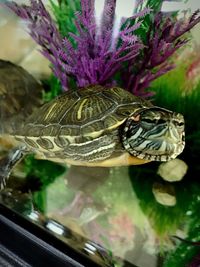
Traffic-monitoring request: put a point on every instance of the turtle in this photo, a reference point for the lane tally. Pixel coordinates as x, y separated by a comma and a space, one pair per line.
17, 86
97, 126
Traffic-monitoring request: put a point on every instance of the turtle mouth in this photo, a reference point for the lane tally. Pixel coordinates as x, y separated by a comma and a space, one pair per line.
159, 150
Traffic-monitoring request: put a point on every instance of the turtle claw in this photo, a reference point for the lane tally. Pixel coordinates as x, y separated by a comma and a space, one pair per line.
2, 181
4, 172
7, 164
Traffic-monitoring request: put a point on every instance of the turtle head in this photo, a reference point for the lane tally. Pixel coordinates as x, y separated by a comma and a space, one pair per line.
154, 134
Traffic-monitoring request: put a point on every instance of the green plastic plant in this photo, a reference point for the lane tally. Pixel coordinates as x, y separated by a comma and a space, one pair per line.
64, 12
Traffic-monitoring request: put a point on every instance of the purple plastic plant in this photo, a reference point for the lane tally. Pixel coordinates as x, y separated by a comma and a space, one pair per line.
91, 61
195, 262
92, 56
162, 41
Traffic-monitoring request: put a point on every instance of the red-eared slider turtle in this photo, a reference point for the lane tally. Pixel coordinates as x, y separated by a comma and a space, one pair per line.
98, 126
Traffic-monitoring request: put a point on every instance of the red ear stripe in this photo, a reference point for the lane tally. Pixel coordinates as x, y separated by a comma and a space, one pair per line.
136, 118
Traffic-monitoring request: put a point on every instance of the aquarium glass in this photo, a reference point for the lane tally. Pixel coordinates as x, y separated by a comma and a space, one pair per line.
142, 215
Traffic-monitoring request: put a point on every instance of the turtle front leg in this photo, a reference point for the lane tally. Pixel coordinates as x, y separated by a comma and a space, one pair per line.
8, 162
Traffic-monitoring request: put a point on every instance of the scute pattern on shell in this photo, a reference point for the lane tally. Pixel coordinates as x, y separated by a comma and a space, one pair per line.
80, 126
82, 112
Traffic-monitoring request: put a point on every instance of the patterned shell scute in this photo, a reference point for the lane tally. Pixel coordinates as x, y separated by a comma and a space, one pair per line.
54, 111
120, 96
86, 112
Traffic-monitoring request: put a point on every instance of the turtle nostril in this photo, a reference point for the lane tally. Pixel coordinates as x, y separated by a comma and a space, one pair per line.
178, 123
149, 121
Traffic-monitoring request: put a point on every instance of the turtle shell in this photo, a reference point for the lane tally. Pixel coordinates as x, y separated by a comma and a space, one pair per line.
81, 125
16, 87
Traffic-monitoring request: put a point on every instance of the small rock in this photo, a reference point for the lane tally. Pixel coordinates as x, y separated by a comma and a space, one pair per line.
173, 170
164, 194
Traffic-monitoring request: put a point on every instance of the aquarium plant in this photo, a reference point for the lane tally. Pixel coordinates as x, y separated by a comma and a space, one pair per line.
92, 55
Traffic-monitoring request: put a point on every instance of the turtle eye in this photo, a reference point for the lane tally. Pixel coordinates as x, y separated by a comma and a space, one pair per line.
152, 121
161, 121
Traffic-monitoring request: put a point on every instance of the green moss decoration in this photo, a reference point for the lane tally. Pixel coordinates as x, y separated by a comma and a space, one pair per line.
42, 172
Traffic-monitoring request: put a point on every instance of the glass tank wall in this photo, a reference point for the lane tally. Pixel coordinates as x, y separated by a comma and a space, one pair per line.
142, 215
